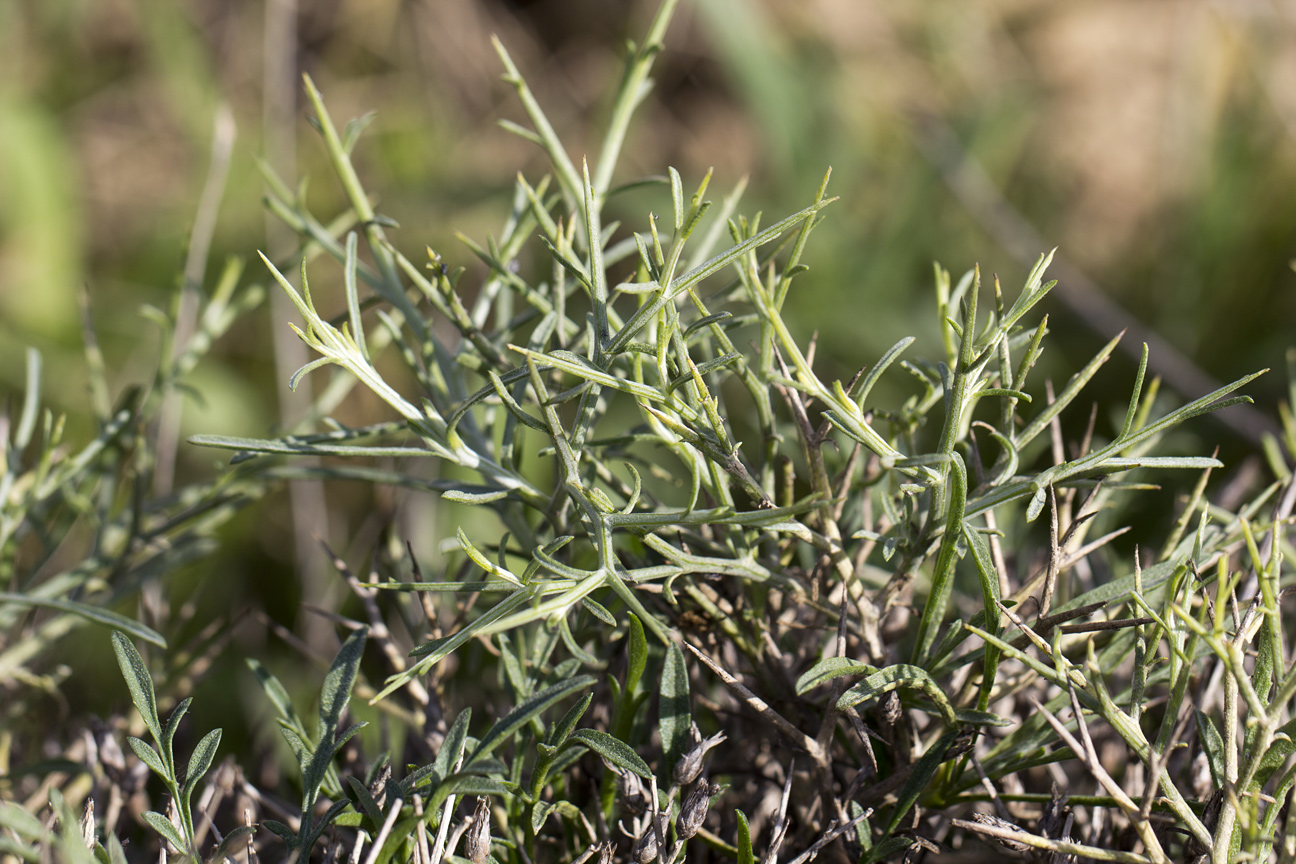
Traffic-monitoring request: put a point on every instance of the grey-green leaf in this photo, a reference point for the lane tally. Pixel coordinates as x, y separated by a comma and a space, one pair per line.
138, 681
452, 747
614, 750
149, 757
163, 826
829, 668
525, 710
674, 716
893, 677
90, 612
339, 681
200, 761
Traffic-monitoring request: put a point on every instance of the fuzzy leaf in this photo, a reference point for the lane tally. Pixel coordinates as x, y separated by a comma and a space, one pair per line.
540, 814
561, 731
829, 668
893, 677
675, 718
163, 826
745, 853
238, 836
923, 771
362, 794
452, 747
138, 681
338, 682
638, 654
90, 612
282, 831
167, 745
525, 710
148, 756
200, 761
22, 823
613, 750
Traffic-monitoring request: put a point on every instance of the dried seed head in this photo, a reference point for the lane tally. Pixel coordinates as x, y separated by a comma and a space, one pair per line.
605, 852
961, 744
634, 800
689, 766
378, 788
694, 812
88, 824
891, 708
645, 849
1003, 825
477, 841
1052, 821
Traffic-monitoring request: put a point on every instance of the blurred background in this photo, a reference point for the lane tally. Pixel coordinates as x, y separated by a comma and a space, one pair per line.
1151, 140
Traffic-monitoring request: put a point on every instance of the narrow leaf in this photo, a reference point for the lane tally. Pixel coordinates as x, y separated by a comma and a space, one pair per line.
138, 681
341, 676
163, 826
674, 716
525, 710
829, 668
200, 761
90, 612
613, 750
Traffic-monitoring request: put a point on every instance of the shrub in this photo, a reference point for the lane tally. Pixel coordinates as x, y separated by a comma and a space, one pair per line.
715, 590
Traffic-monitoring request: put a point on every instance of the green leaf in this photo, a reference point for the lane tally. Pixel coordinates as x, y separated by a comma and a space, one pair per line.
682, 283
22, 823
280, 830
166, 746
452, 747
893, 677
539, 814
599, 611
464, 784
341, 676
237, 837
615, 751
305, 447
745, 853
829, 668
943, 571
1213, 746
525, 710
638, 654
276, 692
561, 731
674, 715
138, 681
923, 771
366, 799
97, 614
163, 826
888, 848
200, 761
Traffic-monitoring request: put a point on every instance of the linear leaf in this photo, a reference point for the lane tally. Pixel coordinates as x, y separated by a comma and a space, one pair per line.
452, 747
525, 710
200, 761
90, 612
829, 668
341, 676
138, 681
613, 750
674, 716
893, 677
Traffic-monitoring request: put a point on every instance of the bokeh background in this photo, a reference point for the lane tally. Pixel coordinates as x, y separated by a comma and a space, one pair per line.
1151, 140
